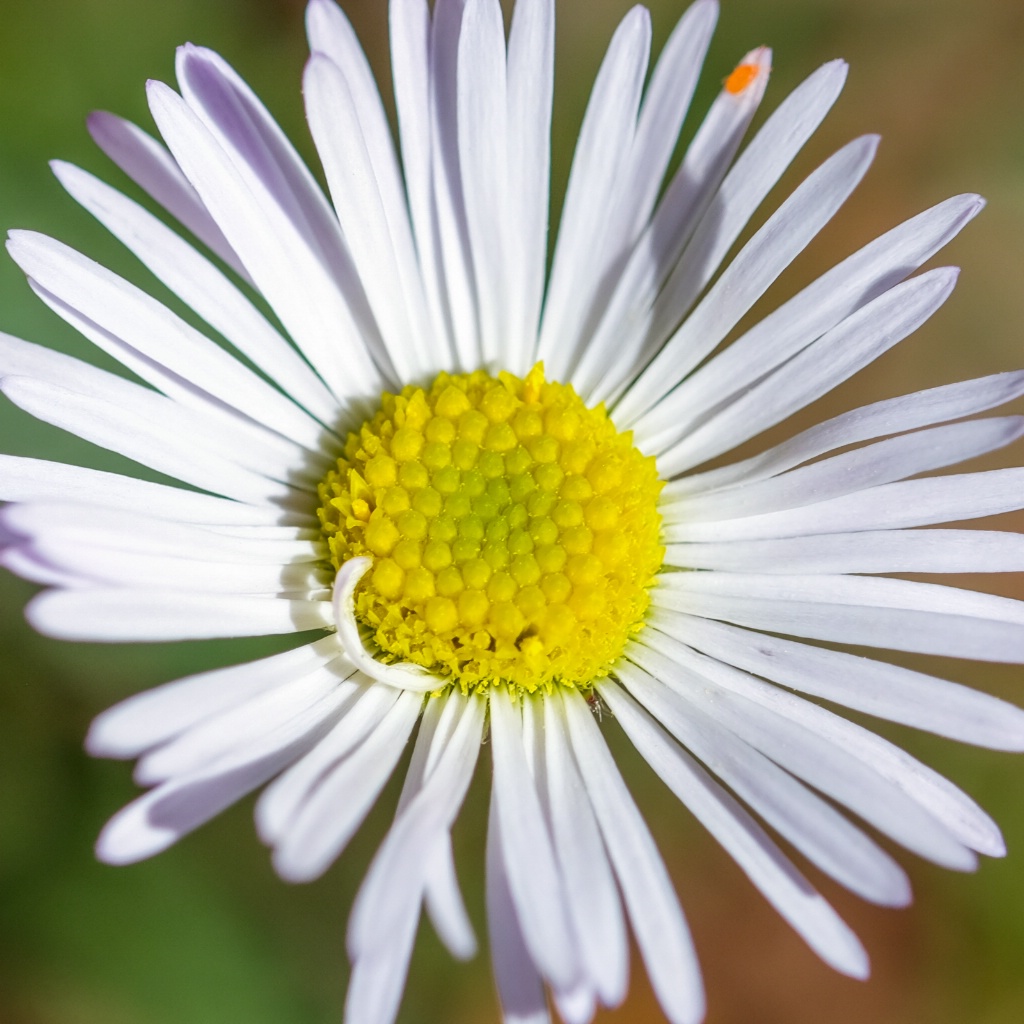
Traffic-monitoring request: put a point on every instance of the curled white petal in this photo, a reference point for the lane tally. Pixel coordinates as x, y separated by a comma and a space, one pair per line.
402, 677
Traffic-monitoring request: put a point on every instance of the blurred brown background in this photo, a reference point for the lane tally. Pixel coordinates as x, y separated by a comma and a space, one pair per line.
205, 934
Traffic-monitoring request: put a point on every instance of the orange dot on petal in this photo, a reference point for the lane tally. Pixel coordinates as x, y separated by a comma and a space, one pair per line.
742, 77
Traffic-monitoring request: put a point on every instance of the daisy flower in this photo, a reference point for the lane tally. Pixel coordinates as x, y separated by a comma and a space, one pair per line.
489, 496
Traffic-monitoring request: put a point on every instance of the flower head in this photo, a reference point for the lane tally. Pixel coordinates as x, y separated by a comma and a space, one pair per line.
490, 490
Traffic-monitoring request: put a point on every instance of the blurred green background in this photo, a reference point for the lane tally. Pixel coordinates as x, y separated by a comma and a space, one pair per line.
206, 934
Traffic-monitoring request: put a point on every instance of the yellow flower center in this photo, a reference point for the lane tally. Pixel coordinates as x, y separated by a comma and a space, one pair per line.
513, 531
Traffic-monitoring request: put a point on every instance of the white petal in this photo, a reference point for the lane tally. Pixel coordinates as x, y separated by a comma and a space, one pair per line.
890, 416
6, 538
259, 149
228, 430
377, 982
602, 153
870, 466
957, 812
575, 1006
748, 182
592, 898
529, 857
216, 428
665, 104
329, 816
330, 33
870, 611
313, 696
146, 719
744, 188
449, 215
438, 723
443, 899
310, 535
651, 903
155, 171
939, 551
111, 566
116, 616
890, 506
30, 565
285, 796
666, 101
840, 353
744, 840
36, 480
123, 530
388, 275
298, 286
202, 287
482, 117
888, 691
613, 351
630, 268
786, 233
410, 68
160, 818
398, 874
813, 826
520, 987
839, 292
531, 67
145, 427
825, 756
445, 904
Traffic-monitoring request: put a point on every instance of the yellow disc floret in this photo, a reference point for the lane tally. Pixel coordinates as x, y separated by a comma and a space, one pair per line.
513, 531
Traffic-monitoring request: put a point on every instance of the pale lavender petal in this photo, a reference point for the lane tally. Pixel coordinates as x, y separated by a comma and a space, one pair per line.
748, 844
335, 808
128, 729
786, 233
155, 171
651, 903
520, 987
602, 151
528, 851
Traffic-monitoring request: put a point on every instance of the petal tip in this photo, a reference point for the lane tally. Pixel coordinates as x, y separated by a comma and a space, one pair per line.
98, 742
119, 843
